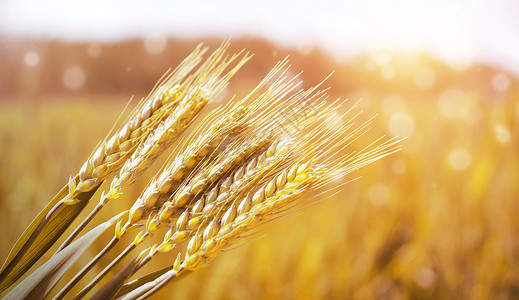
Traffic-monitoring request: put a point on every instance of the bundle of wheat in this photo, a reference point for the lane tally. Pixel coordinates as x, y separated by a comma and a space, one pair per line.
249, 162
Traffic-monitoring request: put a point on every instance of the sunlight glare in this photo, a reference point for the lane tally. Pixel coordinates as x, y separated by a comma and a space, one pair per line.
401, 124
460, 159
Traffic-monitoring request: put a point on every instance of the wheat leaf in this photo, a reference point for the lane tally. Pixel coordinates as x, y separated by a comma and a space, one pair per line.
17, 263
41, 281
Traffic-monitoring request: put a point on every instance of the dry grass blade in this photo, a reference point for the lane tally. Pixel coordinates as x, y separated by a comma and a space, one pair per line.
142, 284
147, 289
103, 273
85, 269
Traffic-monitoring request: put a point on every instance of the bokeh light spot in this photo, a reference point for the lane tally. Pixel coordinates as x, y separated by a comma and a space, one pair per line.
425, 78
502, 133
453, 103
401, 124
94, 50
398, 167
460, 159
382, 57
32, 58
500, 82
379, 194
393, 104
387, 72
456, 104
74, 78
155, 44
425, 278
370, 66
305, 47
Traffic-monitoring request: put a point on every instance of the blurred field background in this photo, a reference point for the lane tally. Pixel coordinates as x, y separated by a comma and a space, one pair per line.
438, 220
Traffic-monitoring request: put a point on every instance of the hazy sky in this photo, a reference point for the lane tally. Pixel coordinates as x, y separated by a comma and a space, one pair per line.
457, 30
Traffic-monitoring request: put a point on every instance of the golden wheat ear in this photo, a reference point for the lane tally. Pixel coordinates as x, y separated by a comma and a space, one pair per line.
194, 93
266, 187
184, 175
152, 127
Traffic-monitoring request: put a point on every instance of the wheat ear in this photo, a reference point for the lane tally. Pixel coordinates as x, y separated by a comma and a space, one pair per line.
222, 232
207, 84
111, 154
262, 103
239, 118
181, 167
192, 95
228, 188
222, 168
317, 164
201, 213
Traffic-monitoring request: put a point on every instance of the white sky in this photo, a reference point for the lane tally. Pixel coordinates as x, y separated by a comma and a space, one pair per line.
454, 29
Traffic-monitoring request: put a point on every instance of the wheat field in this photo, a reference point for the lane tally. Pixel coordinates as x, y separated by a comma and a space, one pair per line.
436, 220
